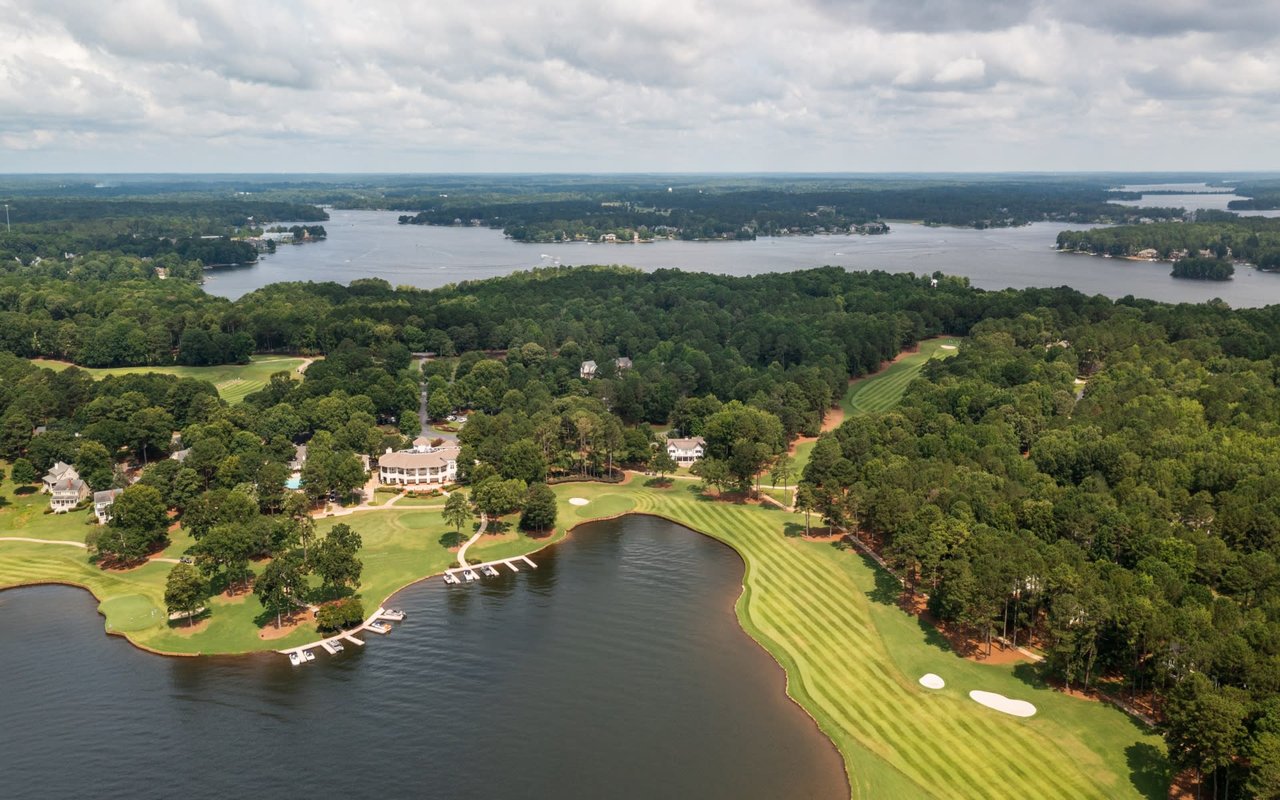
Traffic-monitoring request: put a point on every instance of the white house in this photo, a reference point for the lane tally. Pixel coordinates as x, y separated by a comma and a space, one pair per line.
417, 467
588, 368
67, 494
102, 502
686, 451
58, 473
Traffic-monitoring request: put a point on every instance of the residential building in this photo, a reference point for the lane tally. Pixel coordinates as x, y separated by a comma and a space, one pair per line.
587, 370
67, 494
102, 502
686, 451
57, 473
299, 458
180, 455
437, 466
621, 363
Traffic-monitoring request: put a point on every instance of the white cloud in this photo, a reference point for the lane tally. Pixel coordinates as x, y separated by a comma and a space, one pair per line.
299, 85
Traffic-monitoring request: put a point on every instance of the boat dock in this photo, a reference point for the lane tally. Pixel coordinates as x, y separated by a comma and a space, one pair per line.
472, 572
334, 644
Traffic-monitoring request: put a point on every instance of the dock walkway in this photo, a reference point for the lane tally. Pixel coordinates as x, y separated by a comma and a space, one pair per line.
333, 644
486, 568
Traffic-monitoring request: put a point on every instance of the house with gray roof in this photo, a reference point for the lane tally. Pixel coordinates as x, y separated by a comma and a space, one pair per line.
59, 472
102, 502
686, 451
67, 493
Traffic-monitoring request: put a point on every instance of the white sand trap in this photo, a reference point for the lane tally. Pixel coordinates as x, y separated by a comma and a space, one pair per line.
1018, 708
931, 681
947, 346
578, 501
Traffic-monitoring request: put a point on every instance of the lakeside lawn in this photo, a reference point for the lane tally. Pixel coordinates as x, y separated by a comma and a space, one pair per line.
883, 390
234, 382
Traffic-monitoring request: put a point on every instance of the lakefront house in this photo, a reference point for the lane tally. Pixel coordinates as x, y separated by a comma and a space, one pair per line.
67, 494
419, 466
686, 451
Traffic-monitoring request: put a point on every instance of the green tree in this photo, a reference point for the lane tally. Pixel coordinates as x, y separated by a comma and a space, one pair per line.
184, 591
662, 463
781, 472
93, 462
24, 473
439, 404
805, 503
457, 510
539, 513
334, 558
139, 521
281, 584
1204, 726
523, 460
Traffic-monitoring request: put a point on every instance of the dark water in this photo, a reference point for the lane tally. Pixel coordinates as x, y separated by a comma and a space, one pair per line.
368, 244
615, 670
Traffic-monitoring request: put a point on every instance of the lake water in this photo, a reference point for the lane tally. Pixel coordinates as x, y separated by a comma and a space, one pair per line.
1191, 196
615, 670
364, 244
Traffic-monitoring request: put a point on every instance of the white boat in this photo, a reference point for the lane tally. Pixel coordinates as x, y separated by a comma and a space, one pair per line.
308, 655
378, 627
393, 614
490, 571
295, 659
337, 646
471, 575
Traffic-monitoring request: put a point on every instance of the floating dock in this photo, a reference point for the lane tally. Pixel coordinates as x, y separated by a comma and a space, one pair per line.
333, 644
488, 569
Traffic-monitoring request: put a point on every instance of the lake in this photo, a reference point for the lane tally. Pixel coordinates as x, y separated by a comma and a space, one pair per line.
616, 669
365, 244
1191, 196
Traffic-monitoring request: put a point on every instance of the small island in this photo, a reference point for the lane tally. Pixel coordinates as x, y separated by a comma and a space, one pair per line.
1203, 269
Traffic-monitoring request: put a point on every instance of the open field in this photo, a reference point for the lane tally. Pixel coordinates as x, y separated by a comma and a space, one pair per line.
235, 382
883, 390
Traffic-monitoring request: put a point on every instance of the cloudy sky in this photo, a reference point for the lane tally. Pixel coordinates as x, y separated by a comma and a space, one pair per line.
637, 85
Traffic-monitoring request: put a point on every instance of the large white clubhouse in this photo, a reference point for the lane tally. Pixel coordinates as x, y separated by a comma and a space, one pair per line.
424, 464
686, 451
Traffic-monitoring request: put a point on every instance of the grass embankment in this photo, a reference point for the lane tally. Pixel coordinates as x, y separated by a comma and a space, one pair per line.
235, 382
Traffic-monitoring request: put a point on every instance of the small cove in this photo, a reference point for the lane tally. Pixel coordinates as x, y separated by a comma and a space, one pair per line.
617, 668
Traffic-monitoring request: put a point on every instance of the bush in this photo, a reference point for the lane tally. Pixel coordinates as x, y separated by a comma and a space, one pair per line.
340, 615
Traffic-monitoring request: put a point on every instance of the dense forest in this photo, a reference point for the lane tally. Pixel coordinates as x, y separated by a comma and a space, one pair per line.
1254, 240
1262, 195
744, 213
198, 229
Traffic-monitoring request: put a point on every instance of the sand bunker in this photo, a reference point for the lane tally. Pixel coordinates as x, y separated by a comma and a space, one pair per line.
947, 346
1018, 708
578, 501
931, 681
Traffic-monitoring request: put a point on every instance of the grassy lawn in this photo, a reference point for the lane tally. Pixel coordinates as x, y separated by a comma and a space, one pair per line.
883, 390
235, 382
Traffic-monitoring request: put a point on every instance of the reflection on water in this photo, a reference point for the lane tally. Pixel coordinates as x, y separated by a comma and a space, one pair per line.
615, 669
